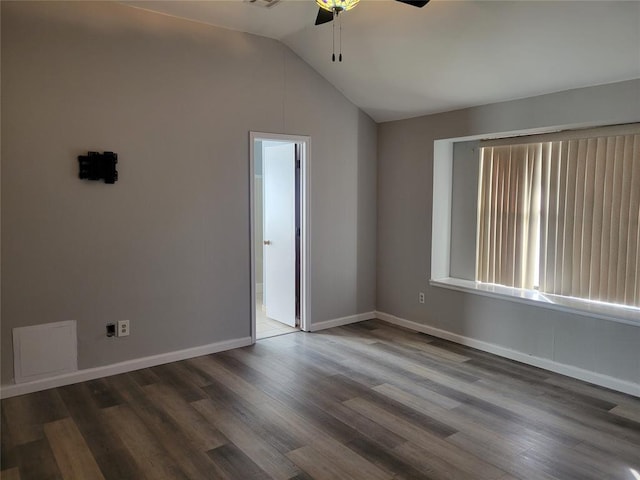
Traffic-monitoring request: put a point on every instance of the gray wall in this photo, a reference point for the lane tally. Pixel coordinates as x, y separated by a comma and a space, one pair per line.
405, 184
167, 246
464, 209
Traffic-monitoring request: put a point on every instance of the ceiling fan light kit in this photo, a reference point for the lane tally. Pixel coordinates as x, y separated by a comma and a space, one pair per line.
337, 5
329, 9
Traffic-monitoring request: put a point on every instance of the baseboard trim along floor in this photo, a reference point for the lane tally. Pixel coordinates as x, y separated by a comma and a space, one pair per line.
339, 322
564, 369
617, 384
7, 391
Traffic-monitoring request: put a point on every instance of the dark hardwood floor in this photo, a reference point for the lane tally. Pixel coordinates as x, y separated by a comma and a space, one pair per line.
366, 401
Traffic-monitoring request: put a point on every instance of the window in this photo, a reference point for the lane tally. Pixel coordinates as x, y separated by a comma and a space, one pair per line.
561, 214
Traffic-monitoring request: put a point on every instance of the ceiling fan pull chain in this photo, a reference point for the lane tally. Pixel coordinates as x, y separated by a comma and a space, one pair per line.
340, 41
333, 33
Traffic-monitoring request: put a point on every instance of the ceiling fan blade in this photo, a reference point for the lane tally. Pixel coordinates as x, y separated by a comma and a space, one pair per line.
414, 3
323, 16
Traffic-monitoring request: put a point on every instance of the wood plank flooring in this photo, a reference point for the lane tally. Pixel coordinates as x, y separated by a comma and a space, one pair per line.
366, 401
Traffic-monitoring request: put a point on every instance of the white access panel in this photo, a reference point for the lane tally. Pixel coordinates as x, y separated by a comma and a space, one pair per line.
43, 351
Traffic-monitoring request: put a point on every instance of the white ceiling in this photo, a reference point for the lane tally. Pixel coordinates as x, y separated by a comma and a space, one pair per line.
401, 61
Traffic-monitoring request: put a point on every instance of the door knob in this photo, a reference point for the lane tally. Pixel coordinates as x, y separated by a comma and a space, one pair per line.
267, 242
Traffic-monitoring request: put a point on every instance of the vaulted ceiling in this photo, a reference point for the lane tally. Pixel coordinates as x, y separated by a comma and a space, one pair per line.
401, 61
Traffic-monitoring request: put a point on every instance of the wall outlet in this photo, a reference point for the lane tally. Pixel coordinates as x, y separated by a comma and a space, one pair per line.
123, 328
421, 297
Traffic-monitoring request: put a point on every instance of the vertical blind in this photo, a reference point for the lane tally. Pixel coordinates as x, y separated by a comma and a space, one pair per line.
508, 215
562, 216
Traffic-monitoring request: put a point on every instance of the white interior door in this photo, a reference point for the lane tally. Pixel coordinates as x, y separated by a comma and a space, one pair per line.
279, 251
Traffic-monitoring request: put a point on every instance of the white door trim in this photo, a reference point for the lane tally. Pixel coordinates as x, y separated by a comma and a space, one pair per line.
305, 170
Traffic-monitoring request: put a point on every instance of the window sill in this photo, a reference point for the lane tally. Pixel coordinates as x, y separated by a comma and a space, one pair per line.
628, 315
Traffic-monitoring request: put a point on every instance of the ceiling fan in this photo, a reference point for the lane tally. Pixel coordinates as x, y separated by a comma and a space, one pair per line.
329, 9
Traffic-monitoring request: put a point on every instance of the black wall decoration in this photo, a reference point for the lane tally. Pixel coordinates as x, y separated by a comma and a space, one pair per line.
99, 166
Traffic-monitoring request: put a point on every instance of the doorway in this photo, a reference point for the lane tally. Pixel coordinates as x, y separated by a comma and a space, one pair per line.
279, 171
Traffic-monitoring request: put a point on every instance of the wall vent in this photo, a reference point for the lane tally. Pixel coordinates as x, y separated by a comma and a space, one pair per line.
43, 351
263, 3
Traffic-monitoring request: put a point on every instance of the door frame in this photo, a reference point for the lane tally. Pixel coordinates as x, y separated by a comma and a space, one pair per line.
305, 221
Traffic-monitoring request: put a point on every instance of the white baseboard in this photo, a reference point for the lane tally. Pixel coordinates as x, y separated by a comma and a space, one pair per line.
338, 322
7, 391
624, 386
564, 369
